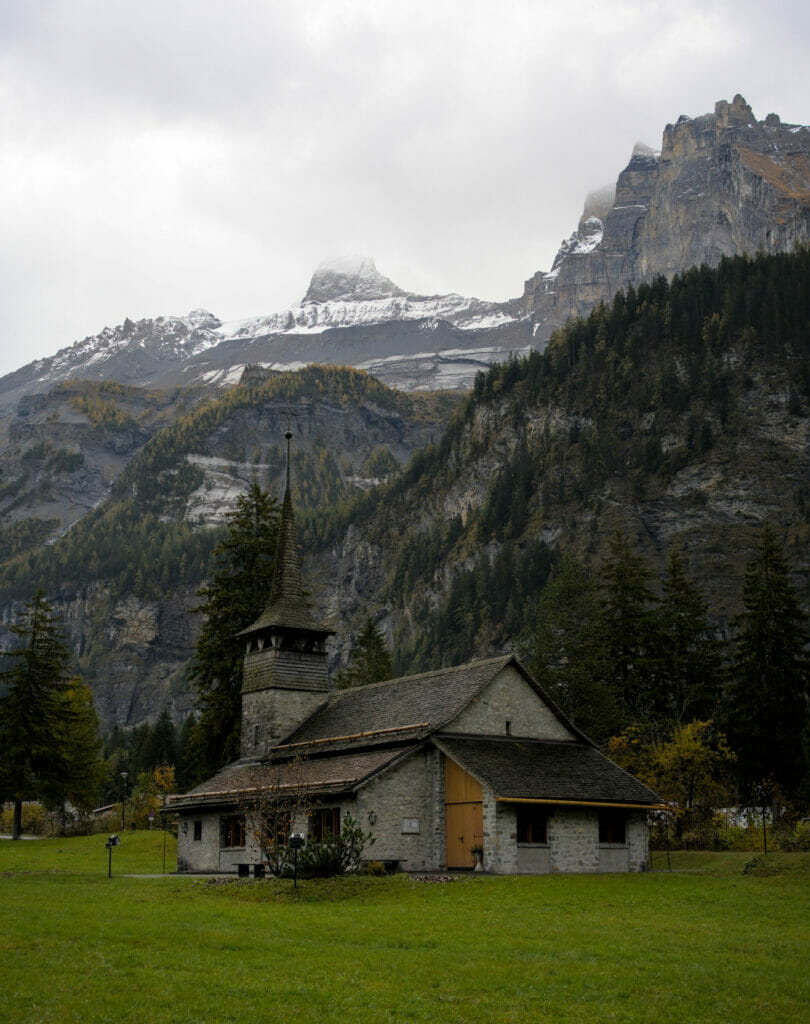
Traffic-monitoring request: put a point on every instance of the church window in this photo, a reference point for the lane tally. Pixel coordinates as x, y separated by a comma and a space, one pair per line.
612, 827
324, 820
233, 830
197, 831
531, 824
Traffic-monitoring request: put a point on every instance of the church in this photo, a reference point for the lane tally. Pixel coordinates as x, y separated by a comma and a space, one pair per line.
462, 767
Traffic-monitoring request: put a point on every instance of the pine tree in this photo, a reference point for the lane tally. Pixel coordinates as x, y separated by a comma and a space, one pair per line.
36, 738
688, 660
80, 741
371, 661
627, 601
184, 766
767, 709
234, 597
162, 747
567, 652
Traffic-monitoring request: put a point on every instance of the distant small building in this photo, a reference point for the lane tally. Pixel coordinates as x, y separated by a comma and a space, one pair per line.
437, 765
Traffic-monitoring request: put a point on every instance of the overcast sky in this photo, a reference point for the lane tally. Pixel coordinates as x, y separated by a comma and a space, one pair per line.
162, 155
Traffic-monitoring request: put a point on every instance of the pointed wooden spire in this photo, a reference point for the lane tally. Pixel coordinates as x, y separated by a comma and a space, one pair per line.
288, 606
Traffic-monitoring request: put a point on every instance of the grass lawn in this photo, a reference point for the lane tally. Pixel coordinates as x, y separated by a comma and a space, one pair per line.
704, 943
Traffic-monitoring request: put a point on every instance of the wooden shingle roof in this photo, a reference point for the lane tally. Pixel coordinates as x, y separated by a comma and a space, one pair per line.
429, 700
324, 776
544, 770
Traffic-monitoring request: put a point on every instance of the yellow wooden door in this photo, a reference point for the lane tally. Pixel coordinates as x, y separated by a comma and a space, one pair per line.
464, 817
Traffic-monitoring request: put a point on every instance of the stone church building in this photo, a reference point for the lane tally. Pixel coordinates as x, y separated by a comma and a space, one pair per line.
436, 766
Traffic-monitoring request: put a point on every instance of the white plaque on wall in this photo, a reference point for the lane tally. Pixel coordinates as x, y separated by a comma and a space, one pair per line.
410, 826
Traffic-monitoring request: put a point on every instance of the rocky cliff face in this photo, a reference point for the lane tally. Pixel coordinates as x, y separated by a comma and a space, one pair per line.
722, 184
132, 646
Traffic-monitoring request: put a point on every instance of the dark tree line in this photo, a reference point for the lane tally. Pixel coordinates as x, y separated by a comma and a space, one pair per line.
615, 654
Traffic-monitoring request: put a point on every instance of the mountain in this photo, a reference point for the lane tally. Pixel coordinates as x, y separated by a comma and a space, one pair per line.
721, 184
125, 574
678, 414
350, 315
117, 452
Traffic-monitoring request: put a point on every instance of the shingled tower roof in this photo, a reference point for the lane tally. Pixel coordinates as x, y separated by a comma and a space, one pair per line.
288, 607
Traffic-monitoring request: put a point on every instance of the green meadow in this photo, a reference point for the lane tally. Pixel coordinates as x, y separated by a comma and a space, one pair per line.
706, 942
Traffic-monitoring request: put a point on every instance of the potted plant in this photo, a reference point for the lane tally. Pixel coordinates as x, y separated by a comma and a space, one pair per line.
478, 852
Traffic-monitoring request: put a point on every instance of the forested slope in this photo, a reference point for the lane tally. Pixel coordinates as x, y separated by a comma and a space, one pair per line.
678, 414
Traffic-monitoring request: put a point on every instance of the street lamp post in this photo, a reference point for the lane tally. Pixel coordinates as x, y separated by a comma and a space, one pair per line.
123, 798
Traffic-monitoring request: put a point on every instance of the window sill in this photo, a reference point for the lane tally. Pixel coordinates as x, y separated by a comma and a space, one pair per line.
532, 846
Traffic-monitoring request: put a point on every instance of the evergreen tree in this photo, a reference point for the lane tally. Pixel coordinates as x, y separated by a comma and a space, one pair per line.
78, 737
162, 747
371, 661
767, 708
627, 626
184, 767
688, 664
34, 748
234, 597
567, 652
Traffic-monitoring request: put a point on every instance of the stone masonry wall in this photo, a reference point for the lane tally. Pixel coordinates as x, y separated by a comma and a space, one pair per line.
206, 854
402, 799
500, 835
509, 698
573, 840
202, 854
276, 713
638, 851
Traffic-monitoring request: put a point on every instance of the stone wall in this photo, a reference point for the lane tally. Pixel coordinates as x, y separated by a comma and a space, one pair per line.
637, 841
206, 853
402, 798
509, 698
407, 801
573, 842
269, 716
500, 835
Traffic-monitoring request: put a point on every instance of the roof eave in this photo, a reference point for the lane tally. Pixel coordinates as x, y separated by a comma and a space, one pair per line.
639, 806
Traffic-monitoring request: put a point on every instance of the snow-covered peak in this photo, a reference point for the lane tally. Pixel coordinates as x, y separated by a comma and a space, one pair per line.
201, 319
349, 278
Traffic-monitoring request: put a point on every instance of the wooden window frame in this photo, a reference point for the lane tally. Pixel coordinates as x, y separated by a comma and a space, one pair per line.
232, 831
324, 820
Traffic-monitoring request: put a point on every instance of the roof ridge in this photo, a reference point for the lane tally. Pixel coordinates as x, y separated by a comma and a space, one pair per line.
420, 676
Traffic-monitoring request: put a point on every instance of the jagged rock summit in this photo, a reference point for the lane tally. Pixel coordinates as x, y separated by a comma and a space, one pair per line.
722, 184
349, 278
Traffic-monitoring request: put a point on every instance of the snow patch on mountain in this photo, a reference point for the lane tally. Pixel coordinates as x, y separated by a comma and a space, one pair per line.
315, 317
345, 292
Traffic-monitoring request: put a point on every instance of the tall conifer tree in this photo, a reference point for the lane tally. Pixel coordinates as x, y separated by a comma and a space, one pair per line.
767, 707
688, 663
38, 713
567, 654
627, 624
234, 597
371, 661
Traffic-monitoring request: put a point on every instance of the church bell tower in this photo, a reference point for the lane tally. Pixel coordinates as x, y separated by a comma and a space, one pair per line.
285, 674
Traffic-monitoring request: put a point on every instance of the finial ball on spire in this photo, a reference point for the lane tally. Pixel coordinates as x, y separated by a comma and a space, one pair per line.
288, 434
